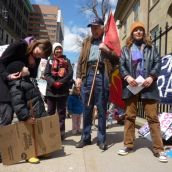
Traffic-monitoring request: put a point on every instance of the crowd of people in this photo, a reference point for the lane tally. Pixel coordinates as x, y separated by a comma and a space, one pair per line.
18, 70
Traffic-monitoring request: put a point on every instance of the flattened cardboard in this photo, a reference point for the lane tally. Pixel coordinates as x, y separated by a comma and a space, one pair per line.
17, 141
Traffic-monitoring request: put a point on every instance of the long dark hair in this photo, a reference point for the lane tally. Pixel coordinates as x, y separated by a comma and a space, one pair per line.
43, 44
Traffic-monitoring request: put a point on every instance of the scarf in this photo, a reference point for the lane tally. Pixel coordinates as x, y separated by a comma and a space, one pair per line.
59, 67
137, 59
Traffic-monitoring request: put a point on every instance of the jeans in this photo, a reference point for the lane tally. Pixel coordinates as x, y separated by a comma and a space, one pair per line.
100, 99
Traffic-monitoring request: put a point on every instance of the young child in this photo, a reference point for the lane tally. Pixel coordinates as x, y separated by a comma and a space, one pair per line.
75, 108
24, 92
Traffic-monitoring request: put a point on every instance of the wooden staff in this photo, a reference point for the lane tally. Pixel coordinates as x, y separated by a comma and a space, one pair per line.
33, 128
93, 83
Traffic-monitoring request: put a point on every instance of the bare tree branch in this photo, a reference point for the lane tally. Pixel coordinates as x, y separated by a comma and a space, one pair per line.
96, 8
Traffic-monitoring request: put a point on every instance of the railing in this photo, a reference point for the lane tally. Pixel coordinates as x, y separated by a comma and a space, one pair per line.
158, 37
161, 108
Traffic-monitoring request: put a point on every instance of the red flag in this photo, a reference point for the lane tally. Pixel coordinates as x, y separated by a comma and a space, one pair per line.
116, 90
111, 36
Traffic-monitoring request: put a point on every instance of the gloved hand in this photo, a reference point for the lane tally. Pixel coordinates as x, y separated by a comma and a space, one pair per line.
57, 84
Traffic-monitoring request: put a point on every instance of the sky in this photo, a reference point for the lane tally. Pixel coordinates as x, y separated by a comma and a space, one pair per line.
75, 23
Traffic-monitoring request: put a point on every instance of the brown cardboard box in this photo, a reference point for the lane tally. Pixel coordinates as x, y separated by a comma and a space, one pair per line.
21, 141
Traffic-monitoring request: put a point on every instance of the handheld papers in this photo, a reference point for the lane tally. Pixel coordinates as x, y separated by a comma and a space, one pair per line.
138, 88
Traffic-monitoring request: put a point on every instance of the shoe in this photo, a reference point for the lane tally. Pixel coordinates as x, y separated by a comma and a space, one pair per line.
33, 160
83, 143
124, 151
162, 157
102, 146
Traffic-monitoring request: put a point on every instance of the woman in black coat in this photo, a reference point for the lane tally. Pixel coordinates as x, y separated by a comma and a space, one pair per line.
140, 59
28, 51
58, 74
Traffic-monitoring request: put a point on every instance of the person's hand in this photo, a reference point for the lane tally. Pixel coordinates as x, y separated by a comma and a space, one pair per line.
30, 121
104, 48
131, 81
78, 82
148, 81
57, 84
14, 76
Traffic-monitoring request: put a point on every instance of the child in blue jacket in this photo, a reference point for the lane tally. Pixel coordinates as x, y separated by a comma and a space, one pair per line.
75, 108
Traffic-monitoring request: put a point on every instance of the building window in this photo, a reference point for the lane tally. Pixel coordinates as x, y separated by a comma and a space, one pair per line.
170, 11
49, 15
154, 33
136, 11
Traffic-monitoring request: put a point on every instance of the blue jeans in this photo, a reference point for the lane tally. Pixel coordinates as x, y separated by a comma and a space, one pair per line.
100, 99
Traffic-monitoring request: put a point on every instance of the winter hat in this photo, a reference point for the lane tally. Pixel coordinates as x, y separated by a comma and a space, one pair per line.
15, 67
56, 44
136, 25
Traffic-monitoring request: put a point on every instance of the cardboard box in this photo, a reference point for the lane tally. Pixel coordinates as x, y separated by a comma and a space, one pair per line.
21, 141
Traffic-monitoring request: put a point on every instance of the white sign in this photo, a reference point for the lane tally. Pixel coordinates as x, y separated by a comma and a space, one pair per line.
165, 120
42, 83
2, 48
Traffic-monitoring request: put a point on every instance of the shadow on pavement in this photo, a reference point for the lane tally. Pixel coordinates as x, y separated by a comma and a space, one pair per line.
56, 154
142, 142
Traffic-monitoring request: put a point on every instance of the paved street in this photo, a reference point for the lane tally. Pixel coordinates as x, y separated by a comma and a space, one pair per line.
92, 159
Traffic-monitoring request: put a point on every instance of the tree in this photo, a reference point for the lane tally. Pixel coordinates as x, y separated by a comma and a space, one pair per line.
98, 8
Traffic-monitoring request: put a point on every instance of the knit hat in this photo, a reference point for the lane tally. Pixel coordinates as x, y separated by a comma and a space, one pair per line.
56, 44
136, 25
15, 67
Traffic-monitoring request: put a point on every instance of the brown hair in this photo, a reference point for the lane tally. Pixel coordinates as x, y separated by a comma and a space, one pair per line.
75, 91
43, 44
146, 40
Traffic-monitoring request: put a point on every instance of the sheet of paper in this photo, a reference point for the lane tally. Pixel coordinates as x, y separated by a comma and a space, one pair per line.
137, 89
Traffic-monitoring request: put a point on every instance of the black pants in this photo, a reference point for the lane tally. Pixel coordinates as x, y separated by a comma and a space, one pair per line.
6, 114
59, 104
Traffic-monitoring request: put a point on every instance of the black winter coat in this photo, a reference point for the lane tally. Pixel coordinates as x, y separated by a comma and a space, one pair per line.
22, 92
14, 52
66, 80
152, 63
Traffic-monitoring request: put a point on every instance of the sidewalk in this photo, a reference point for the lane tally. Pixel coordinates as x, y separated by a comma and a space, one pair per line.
92, 159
